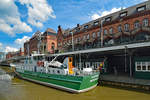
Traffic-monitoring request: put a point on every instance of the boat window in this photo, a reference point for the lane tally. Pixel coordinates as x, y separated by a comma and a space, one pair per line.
70, 60
35, 58
58, 71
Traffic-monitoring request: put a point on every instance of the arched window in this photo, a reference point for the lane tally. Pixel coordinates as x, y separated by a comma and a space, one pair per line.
136, 24
145, 22
126, 27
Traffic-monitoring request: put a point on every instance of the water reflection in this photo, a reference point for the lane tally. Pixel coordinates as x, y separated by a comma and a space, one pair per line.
19, 89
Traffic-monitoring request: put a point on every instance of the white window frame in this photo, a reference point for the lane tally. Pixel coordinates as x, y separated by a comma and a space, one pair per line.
142, 8
136, 64
119, 28
111, 30
105, 32
126, 27
145, 22
136, 24
123, 14
96, 23
94, 35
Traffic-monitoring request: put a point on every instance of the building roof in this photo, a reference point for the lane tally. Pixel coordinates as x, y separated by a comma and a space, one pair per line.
50, 30
114, 16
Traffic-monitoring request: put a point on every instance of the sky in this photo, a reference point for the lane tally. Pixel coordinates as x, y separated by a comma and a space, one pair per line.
20, 19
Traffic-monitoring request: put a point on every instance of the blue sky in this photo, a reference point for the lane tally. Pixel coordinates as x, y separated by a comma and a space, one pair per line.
19, 19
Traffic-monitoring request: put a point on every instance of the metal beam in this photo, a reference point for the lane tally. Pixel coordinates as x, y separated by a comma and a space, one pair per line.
112, 48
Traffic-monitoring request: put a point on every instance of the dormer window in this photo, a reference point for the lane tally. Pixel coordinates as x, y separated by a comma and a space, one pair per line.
142, 8
71, 32
86, 26
123, 14
96, 23
108, 19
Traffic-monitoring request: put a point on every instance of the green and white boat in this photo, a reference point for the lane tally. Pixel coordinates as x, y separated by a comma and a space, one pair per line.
55, 74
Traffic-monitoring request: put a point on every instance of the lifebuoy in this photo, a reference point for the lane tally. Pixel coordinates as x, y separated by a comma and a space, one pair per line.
40, 63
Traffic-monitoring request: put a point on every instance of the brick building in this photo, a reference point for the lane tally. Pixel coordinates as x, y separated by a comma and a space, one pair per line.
128, 25
14, 54
41, 42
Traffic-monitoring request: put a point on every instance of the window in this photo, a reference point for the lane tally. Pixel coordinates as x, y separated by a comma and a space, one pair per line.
141, 8
138, 66
96, 23
94, 35
98, 34
145, 22
119, 28
126, 27
58, 71
105, 32
123, 14
108, 19
86, 26
144, 66
76, 40
148, 66
84, 37
111, 30
136, 24
79, 39
88, 37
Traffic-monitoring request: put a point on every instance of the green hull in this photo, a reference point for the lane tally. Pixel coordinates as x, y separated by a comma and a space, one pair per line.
69, 83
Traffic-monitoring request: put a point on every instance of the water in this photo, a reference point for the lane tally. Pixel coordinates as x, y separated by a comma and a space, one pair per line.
18, 89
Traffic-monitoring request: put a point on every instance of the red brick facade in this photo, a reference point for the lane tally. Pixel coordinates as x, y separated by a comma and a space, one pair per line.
119, 27
42, 43
14, 54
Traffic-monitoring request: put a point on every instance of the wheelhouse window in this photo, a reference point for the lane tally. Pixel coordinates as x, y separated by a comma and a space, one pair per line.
105, 32
96, 23
126, 27
119, 28
145, 22
111, 30
123, 14
137, 24
142, 8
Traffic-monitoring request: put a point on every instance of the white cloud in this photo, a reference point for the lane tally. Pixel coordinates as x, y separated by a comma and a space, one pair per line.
10, 21
10, 49
22, 40
104, 13
38, 12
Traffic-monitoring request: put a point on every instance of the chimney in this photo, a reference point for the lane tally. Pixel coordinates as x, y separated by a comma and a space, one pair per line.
59, 27
78, 25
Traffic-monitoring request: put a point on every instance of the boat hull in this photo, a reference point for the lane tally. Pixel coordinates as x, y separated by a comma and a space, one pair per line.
74, 84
